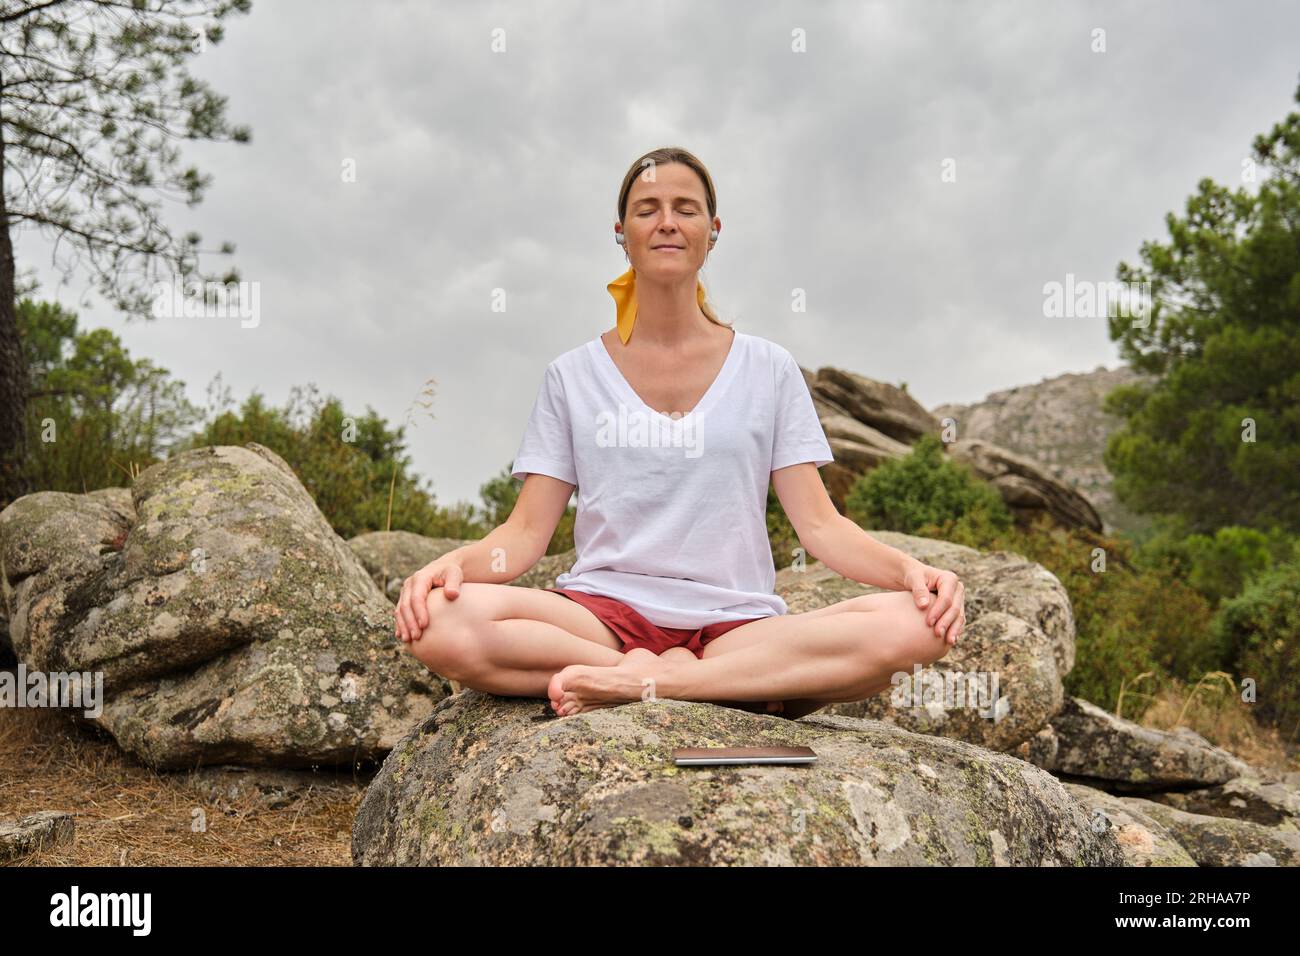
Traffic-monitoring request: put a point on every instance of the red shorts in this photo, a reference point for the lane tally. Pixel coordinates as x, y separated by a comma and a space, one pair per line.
634, 630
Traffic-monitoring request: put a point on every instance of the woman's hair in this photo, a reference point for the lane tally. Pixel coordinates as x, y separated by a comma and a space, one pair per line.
659, 157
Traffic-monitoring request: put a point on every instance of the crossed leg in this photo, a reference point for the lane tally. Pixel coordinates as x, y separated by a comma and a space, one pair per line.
529, 642
508, 640
847, 651
682, 654
511, 641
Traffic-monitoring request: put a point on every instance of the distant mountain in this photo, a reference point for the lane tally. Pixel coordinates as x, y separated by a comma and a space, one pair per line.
868, 422
1058, 423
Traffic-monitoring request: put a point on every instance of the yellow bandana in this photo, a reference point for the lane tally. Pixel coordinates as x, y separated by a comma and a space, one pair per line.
623, 289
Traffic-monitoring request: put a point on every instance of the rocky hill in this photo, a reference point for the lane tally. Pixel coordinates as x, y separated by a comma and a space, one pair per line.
868, 422
1059, 424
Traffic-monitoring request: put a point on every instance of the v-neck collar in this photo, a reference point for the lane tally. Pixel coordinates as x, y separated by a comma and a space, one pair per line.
606, 361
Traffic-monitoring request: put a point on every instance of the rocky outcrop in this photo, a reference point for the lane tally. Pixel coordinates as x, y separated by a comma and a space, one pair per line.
1223, 841
229, 622
867, 422
1025, 487
495, 781
1002, 682
1155, 834
1270, 803
1058, 424
885, 408
1083, 740
1169, 796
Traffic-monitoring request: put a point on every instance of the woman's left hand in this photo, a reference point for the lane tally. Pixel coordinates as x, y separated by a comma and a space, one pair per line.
946, 613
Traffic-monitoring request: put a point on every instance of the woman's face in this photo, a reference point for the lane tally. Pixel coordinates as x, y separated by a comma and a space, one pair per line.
667, 222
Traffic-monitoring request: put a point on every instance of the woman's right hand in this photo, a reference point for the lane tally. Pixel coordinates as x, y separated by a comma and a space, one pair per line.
412, 606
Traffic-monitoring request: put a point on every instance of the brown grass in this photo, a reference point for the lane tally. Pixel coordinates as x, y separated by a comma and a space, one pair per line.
129, 815
1213, 708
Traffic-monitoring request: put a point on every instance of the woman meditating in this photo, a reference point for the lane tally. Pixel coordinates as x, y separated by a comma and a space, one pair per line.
670, 435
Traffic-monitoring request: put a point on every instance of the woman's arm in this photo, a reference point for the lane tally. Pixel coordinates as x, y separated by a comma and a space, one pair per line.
504, 554
520, 541
838, 543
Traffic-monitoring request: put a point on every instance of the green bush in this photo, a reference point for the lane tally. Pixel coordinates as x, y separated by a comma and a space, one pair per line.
1129, 621
95, 415
925, 487
1218, 565
348, 463
1259, 632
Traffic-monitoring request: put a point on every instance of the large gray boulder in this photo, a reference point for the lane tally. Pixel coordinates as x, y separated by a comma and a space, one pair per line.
1017, 647
1223, 841
1143, 839
1269, 803
1082, 740
493, 781
857, 446
1026, 487
886, 408
229, 622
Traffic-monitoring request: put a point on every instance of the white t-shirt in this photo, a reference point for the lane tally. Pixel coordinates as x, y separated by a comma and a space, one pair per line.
671, 514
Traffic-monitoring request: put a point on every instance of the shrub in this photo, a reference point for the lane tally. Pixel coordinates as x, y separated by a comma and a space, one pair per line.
1259, 631
925, 487
1129, 621
1217, 565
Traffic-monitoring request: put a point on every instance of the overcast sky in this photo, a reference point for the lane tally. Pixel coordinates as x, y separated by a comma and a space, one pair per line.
479, 170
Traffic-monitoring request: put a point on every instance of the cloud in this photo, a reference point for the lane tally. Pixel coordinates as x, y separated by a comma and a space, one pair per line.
481, 170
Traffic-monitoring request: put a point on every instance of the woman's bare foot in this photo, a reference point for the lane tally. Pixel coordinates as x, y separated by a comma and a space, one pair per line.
580, 687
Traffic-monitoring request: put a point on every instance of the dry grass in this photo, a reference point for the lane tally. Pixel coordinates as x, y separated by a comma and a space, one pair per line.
1213, 708
129, 815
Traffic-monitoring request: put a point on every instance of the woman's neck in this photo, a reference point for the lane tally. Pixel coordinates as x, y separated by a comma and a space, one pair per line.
668, 313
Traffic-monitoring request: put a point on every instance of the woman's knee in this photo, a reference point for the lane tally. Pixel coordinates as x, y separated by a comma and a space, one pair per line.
447, 643
912, 640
